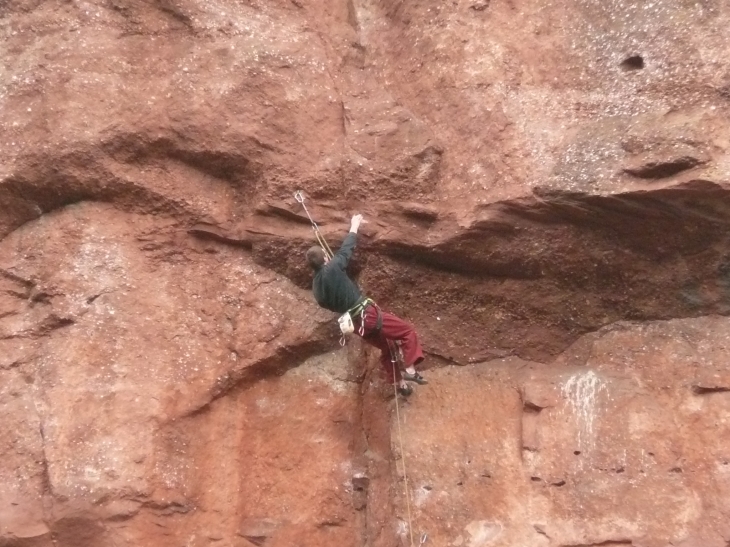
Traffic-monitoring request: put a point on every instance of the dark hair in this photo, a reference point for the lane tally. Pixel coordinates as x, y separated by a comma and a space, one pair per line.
315, 257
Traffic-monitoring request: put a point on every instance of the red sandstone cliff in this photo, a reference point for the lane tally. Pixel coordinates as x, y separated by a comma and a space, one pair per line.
546, 185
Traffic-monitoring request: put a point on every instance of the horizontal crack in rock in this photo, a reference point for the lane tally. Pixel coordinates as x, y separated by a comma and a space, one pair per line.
663, 169
704, 390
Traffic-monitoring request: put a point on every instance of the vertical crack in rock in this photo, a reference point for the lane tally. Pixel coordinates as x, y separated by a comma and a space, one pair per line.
378, 457
47, 486
47, 494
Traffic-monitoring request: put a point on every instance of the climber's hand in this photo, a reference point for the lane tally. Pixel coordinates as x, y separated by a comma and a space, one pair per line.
355, 223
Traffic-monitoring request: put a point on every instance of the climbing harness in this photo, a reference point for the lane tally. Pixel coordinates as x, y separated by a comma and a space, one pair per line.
359, 309
348, 327
393, 359
299, 196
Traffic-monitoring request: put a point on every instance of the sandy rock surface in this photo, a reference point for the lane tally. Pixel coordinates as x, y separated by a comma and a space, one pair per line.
545, 185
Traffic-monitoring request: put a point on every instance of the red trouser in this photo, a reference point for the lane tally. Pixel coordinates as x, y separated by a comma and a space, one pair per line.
394, 328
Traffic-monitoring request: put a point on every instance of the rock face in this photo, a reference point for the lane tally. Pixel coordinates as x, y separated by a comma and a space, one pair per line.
546, 185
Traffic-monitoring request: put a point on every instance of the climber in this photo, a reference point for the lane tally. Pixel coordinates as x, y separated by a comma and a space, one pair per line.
335, 291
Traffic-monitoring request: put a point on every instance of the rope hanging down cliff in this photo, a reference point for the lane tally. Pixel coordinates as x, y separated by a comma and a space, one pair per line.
402, 455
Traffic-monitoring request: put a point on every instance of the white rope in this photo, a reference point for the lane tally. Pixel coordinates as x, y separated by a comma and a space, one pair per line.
402, 454
299, 196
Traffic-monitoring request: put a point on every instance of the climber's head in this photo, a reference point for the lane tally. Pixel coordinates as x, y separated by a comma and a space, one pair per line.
316, 258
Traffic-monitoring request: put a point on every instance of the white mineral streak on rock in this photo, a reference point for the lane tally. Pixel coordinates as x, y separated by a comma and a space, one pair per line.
581, 391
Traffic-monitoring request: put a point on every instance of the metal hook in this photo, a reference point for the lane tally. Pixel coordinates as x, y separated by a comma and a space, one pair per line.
299, 196
424, 538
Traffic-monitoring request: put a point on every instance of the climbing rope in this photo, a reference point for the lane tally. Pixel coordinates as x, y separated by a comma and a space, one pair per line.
299, 196
402, 454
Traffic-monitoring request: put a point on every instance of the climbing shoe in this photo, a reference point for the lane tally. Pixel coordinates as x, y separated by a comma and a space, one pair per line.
405, 390
415, 377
